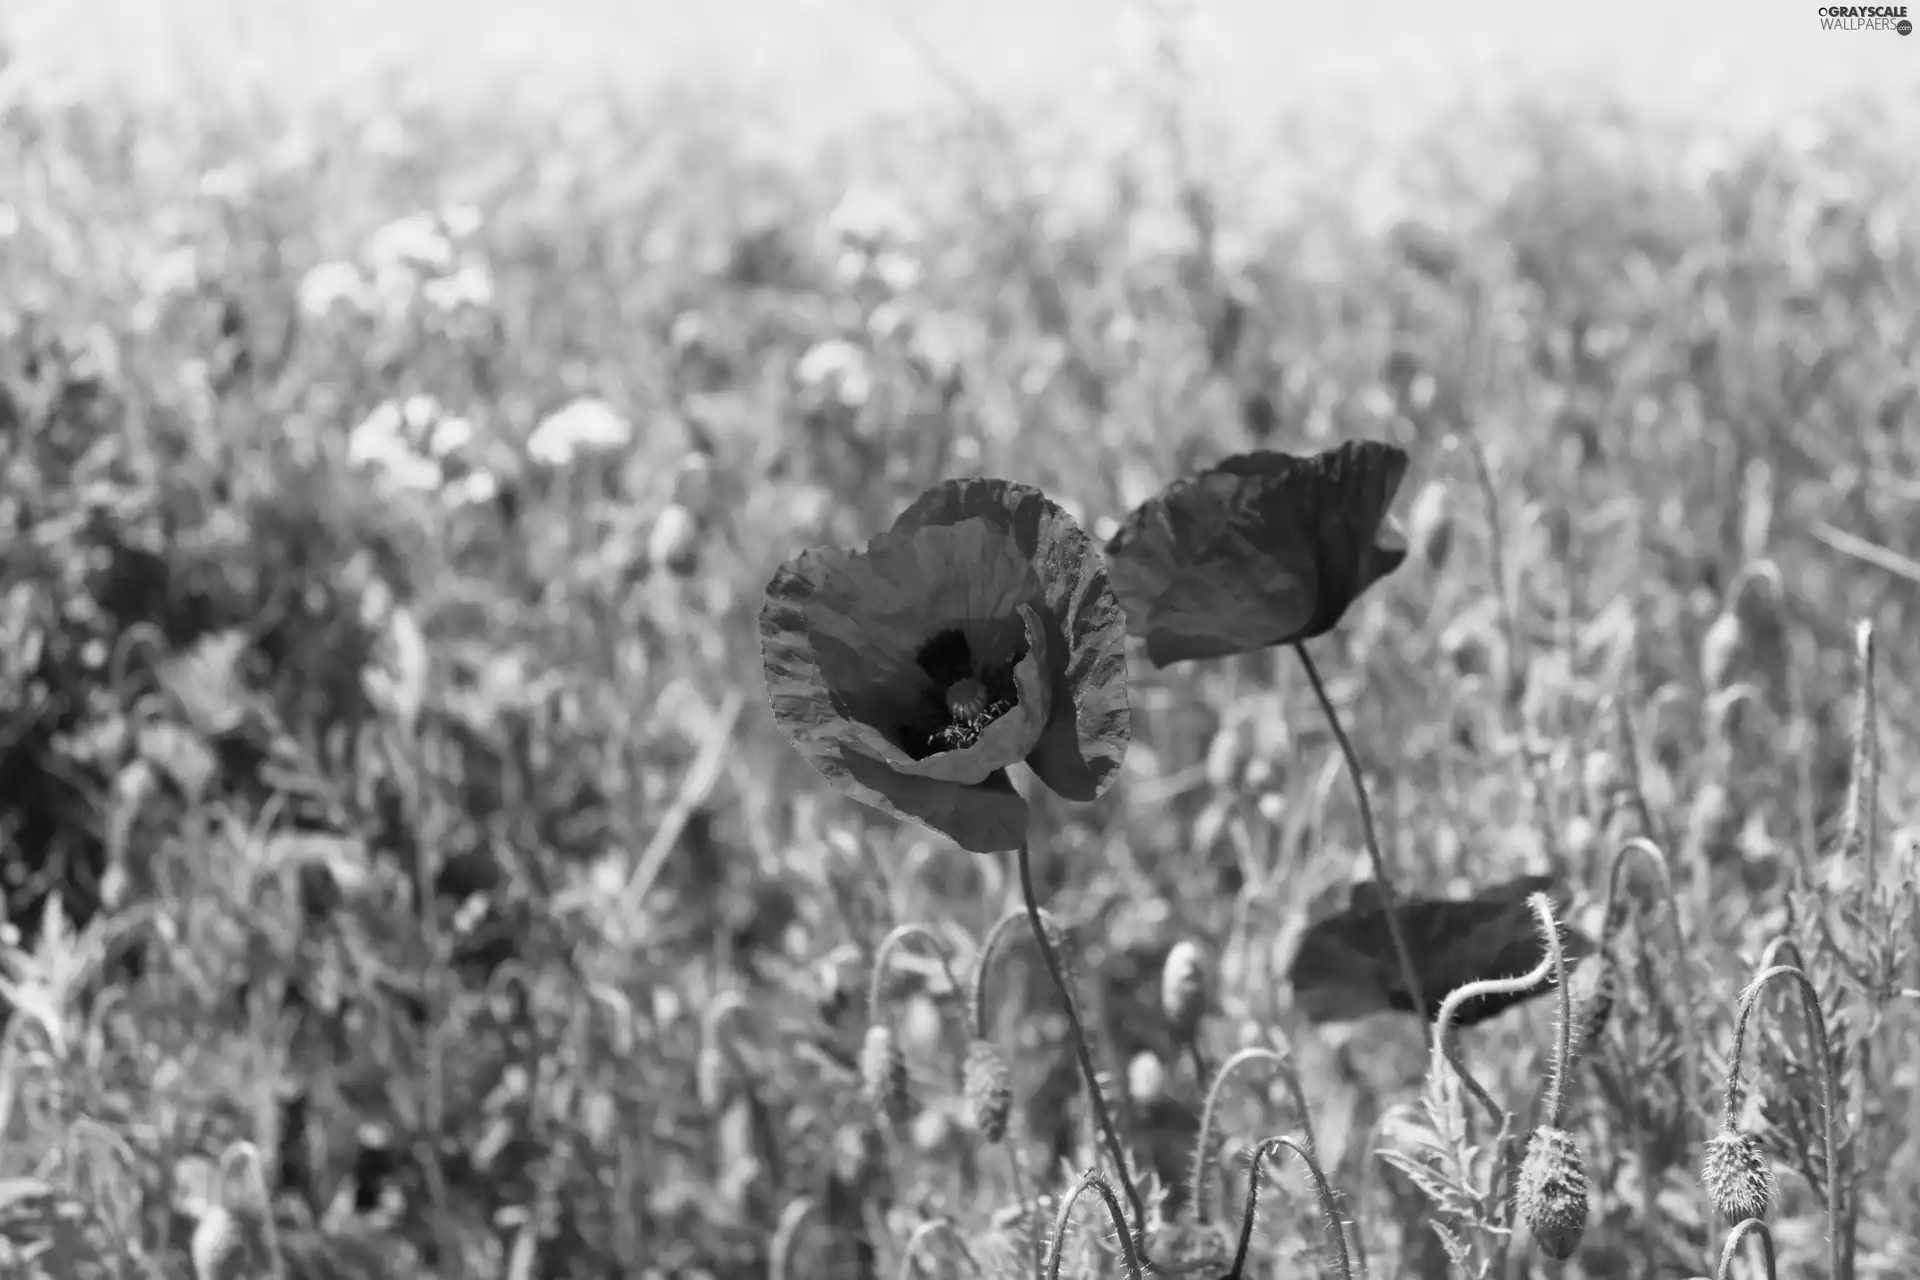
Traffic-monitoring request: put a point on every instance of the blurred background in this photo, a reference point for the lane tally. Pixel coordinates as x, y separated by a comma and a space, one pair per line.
403, 406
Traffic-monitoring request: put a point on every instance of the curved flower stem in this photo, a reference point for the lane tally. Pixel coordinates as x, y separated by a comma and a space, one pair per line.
1649, 855
1389, 900
1563, 1035
1446, 1047
1091, 1179
899, 934
983, 965
1095, 1097
1327, 1206
1203, 1142
1731, 1250
1837, 1250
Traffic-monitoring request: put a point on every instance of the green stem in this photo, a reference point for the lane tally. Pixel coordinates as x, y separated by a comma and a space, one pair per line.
1389, 900
1078, 1034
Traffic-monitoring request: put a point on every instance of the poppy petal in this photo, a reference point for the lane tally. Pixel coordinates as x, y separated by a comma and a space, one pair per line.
1265, 548
1003, 742
819, 716
1084, 744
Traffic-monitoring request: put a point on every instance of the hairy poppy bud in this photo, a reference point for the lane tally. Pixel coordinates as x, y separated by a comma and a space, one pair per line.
1552, 1192
883, 1074
1183, 989
989, 1097
1736, 1176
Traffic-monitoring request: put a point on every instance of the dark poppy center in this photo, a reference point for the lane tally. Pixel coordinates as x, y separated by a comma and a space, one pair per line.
963, 697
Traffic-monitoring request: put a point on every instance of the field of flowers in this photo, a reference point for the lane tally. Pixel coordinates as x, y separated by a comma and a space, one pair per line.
429, 846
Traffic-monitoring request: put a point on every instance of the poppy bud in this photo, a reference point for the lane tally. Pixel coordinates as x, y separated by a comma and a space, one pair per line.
1718, 649
1736, 1176
989, 1096
1552, 1192
884, 1085
1430, 526
1146, 1078
1183, 989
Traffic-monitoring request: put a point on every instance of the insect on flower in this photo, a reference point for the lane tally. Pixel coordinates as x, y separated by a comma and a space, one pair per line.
1264, 549
1345, 966
977, 633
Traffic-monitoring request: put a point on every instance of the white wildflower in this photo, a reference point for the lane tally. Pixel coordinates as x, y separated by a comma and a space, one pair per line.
836, 370
469, 286
870, 219
474, 489
589, 425
415, 241
334, 284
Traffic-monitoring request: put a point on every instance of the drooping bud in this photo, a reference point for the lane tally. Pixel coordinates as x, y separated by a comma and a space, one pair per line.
1183, 988
989, 1096
1736, 1175
1552, 1192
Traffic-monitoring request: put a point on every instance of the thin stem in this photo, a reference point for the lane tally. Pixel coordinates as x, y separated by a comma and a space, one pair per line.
1203, 1142
1648, 853
1837, 1252
1078, 1033
1446, 1047
1731, 1250
1091, 1179
1389, 900
895, 937
1321, 1189
1563, 1040
989, 947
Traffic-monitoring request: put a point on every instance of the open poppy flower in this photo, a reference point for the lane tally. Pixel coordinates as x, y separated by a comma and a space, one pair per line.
978, 633
1345, 967
1264, 549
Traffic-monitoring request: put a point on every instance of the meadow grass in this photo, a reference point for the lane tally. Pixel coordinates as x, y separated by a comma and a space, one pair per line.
407, 877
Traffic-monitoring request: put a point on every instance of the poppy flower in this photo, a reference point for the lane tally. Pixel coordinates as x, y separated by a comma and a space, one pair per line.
978, 633
1346, 969
1264, 549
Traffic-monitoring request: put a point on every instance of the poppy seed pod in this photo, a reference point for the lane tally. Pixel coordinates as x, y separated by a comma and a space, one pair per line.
1183, 988
976, 634
1264, 549
1736, 1176
1552, 1192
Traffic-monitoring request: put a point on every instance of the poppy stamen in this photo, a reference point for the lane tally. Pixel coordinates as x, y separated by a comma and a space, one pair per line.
966, 700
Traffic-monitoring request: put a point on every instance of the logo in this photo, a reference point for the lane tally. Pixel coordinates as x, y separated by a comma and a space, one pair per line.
1865, 17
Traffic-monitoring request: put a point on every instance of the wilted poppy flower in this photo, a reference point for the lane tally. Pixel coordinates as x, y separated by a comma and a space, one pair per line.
1264, 549
1346, 968
977, 633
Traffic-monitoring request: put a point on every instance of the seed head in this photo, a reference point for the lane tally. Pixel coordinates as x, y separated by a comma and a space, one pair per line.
1737, 1177
989, 1097
966, 699
883, 1074
1552, 1192
1183, 988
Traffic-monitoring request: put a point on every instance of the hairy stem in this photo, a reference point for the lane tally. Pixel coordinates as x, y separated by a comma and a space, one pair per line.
1837, 1252
1648, 854
1203, 1142
1271, 1147
1091, 1179
1563, 1039
1082, 1050
896, 936
1389, 900
1731, 1250
1446, 1042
